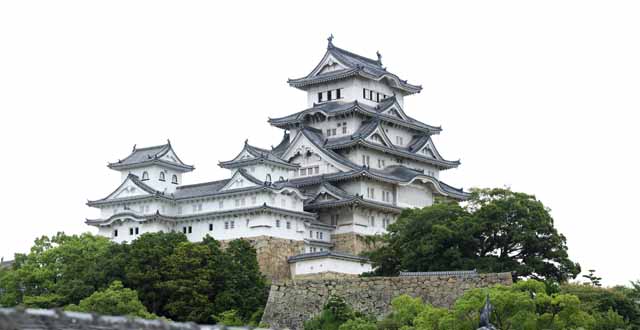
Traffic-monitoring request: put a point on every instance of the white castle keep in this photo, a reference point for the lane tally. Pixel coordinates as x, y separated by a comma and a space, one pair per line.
346, 167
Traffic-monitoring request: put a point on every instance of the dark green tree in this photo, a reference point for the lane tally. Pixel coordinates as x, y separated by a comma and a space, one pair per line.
334, 313
593, 279
114, 300
145, 267
498, 231
245, 289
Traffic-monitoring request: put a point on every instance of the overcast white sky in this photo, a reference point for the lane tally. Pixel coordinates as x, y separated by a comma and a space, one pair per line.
540, 96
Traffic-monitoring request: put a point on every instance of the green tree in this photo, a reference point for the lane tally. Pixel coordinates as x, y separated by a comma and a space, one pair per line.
334, 314
498, 231
593, 279
358, 324
229, 318
188, 286
597, 300
114, 300
57, 271
245, 289
145, 267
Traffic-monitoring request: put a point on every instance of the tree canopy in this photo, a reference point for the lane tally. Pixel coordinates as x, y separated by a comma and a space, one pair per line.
114, 300
497, 231
171, 276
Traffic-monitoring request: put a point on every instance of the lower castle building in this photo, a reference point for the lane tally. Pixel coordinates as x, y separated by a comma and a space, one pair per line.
345, 168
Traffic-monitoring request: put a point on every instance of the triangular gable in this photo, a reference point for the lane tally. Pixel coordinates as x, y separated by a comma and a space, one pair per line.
129, 188
328, 64
171, 156
429, 150
240, 180
380, 137
301, 145
395, 110
324, 195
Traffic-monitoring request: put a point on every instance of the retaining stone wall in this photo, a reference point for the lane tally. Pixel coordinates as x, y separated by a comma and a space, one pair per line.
291, 303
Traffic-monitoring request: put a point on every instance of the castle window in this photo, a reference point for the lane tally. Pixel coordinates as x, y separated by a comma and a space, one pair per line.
130, 231
277, 223
344, 128
115, 233
329, 95
333, 131
220, 204
184, 230
338, 93
320, 97
288, 224
268, 179
190, 230
310, 233
232, 224
210, 227
174, 179
161, 176
137, 231
145, 176
226, 225
373, 221
328, 132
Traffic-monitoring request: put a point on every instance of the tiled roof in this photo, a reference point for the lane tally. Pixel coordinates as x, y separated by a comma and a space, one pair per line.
338, 108
367, 127
326, 254
161, 217
149, 155
261, 155
355, 65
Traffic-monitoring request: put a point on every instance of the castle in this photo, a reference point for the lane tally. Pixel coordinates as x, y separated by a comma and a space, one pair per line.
346, 167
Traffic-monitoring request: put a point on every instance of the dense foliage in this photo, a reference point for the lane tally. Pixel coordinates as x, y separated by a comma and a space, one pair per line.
525, 305
172, 277
115, 300
497, 231
335, 313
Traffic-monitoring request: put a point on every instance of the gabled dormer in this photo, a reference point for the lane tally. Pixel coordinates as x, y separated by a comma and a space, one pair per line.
343, 76
158, 167
241, 180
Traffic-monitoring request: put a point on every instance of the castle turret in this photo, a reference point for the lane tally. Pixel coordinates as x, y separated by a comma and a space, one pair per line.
158, 167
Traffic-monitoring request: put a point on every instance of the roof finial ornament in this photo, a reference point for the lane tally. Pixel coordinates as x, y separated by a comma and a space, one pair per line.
379, 57
330, 39
168, 142
134, 147
246, 141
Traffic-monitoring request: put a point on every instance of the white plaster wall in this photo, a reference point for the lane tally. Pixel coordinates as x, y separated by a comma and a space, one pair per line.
260, 172
154, 175
322, 265
393, 132
414, 195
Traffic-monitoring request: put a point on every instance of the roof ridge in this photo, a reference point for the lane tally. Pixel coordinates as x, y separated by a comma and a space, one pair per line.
372, 61
152, 147
201, 184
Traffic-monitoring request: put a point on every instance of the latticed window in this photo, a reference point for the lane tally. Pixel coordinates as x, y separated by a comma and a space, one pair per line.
174, 179
145, 175
161, 176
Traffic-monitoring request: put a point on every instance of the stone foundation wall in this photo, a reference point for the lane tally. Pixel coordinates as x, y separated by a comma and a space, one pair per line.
293, 302
272, 255
351, 243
